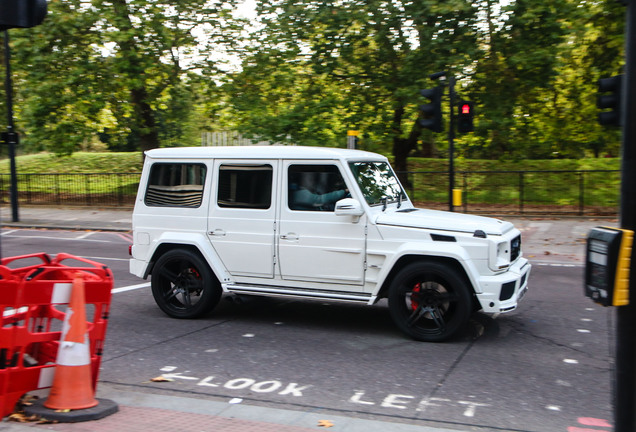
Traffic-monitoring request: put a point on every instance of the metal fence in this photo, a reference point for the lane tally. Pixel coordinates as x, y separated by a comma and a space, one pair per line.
575, 192
93, 189
584, 193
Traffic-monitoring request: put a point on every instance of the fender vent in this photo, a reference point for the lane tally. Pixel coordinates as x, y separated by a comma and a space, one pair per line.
443, 238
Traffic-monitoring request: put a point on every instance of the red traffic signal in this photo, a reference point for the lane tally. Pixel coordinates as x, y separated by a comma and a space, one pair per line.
465, 117
21, 13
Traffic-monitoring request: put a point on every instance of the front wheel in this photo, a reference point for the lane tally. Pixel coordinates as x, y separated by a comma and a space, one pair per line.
429, 301
183, 284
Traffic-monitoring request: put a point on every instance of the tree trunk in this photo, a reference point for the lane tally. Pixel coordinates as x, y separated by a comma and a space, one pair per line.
144, 123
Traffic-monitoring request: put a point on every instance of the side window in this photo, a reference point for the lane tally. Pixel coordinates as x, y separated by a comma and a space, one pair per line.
245, 186
314, 187
175, 185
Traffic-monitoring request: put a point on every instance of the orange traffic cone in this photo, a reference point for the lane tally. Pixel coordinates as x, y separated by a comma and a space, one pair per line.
72, 385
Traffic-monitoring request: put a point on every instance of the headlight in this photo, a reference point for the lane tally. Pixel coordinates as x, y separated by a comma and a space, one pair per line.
503, 256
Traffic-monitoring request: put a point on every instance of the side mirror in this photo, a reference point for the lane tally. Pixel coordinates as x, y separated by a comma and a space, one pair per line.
349, 207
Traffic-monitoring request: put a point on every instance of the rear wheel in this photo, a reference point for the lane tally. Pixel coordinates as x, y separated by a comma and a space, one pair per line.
429, 301
183, 284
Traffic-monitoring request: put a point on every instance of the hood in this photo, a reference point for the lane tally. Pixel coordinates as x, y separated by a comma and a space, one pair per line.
443, 221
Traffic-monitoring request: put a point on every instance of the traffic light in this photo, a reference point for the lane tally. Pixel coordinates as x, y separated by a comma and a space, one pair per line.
612, 100
432, 112
465, 117
21, 13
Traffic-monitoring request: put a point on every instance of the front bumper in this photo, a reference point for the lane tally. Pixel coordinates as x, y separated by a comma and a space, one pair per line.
502, 292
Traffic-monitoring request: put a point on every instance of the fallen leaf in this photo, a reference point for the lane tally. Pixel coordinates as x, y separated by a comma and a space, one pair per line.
161, 379
22, 418
546, 253
325, 423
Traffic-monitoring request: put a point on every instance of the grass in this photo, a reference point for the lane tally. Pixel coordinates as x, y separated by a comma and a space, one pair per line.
80, 162
429, 178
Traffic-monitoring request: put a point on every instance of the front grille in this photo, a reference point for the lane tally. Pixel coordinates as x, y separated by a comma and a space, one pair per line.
515, 248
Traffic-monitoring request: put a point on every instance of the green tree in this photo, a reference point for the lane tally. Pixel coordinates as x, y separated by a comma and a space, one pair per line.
123, 69
320, 68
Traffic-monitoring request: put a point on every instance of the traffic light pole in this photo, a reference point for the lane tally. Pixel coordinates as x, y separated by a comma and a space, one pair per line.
451, 141
11, 137
625, 393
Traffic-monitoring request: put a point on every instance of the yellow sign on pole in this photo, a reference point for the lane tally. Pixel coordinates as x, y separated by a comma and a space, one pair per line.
353, 133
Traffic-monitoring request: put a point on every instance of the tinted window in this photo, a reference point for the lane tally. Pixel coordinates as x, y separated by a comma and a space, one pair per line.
315, 187
175, 185
245, 186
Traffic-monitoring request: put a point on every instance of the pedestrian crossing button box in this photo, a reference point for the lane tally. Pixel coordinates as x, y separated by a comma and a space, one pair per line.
607, 263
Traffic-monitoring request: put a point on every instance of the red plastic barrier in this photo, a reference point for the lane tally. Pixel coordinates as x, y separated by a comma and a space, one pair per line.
32, 300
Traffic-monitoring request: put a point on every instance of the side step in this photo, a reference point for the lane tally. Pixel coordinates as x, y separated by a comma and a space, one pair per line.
278, 291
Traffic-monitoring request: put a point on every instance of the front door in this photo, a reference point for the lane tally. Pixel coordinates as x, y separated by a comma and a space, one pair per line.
314, 244
241, 221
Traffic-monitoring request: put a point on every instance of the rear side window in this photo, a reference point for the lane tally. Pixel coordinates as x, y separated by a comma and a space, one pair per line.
245, 186
175, 185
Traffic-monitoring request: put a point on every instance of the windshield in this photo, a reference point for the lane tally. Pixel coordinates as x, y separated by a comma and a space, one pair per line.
377, 181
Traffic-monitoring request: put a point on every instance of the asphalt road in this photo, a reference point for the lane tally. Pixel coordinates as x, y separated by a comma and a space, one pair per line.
545, 367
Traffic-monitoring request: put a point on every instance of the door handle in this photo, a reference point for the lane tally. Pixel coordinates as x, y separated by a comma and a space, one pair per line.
289, 236
217, 233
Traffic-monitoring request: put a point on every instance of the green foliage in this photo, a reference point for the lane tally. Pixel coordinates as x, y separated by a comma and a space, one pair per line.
123, 73
130, 75
319, 68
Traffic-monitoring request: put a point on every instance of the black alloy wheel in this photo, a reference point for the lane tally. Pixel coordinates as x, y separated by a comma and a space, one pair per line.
183, 284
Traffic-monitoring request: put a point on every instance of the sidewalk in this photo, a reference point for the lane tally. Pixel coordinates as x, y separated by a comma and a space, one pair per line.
80, 218
545, 242
144, 412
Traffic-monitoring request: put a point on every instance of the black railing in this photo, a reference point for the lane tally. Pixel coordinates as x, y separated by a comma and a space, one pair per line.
575, 192
589, 192
93, 189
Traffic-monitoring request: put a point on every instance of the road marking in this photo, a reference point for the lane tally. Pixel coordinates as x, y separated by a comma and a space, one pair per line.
556, 264
105, 258
130, 288
62, 238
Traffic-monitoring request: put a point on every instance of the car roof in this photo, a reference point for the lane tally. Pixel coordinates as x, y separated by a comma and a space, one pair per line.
262, 152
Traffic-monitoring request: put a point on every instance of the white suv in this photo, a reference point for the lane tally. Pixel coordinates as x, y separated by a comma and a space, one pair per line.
315, 223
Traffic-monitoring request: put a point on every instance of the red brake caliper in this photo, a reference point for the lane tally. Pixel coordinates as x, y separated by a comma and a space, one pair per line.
414, 296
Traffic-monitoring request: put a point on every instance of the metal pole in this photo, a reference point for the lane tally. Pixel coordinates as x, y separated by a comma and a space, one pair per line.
625, 393
451, 141
11, 136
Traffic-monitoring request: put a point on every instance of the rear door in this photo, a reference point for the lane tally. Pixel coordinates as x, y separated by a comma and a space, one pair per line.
241, 220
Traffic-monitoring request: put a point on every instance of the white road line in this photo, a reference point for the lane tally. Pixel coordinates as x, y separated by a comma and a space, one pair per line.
555, 264
62, 238
130, 288
92, 258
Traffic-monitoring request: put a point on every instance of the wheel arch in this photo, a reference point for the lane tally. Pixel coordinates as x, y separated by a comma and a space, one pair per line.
406, 260
164, 247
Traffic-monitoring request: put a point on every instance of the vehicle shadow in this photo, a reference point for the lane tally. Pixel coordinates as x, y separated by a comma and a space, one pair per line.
335, 316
